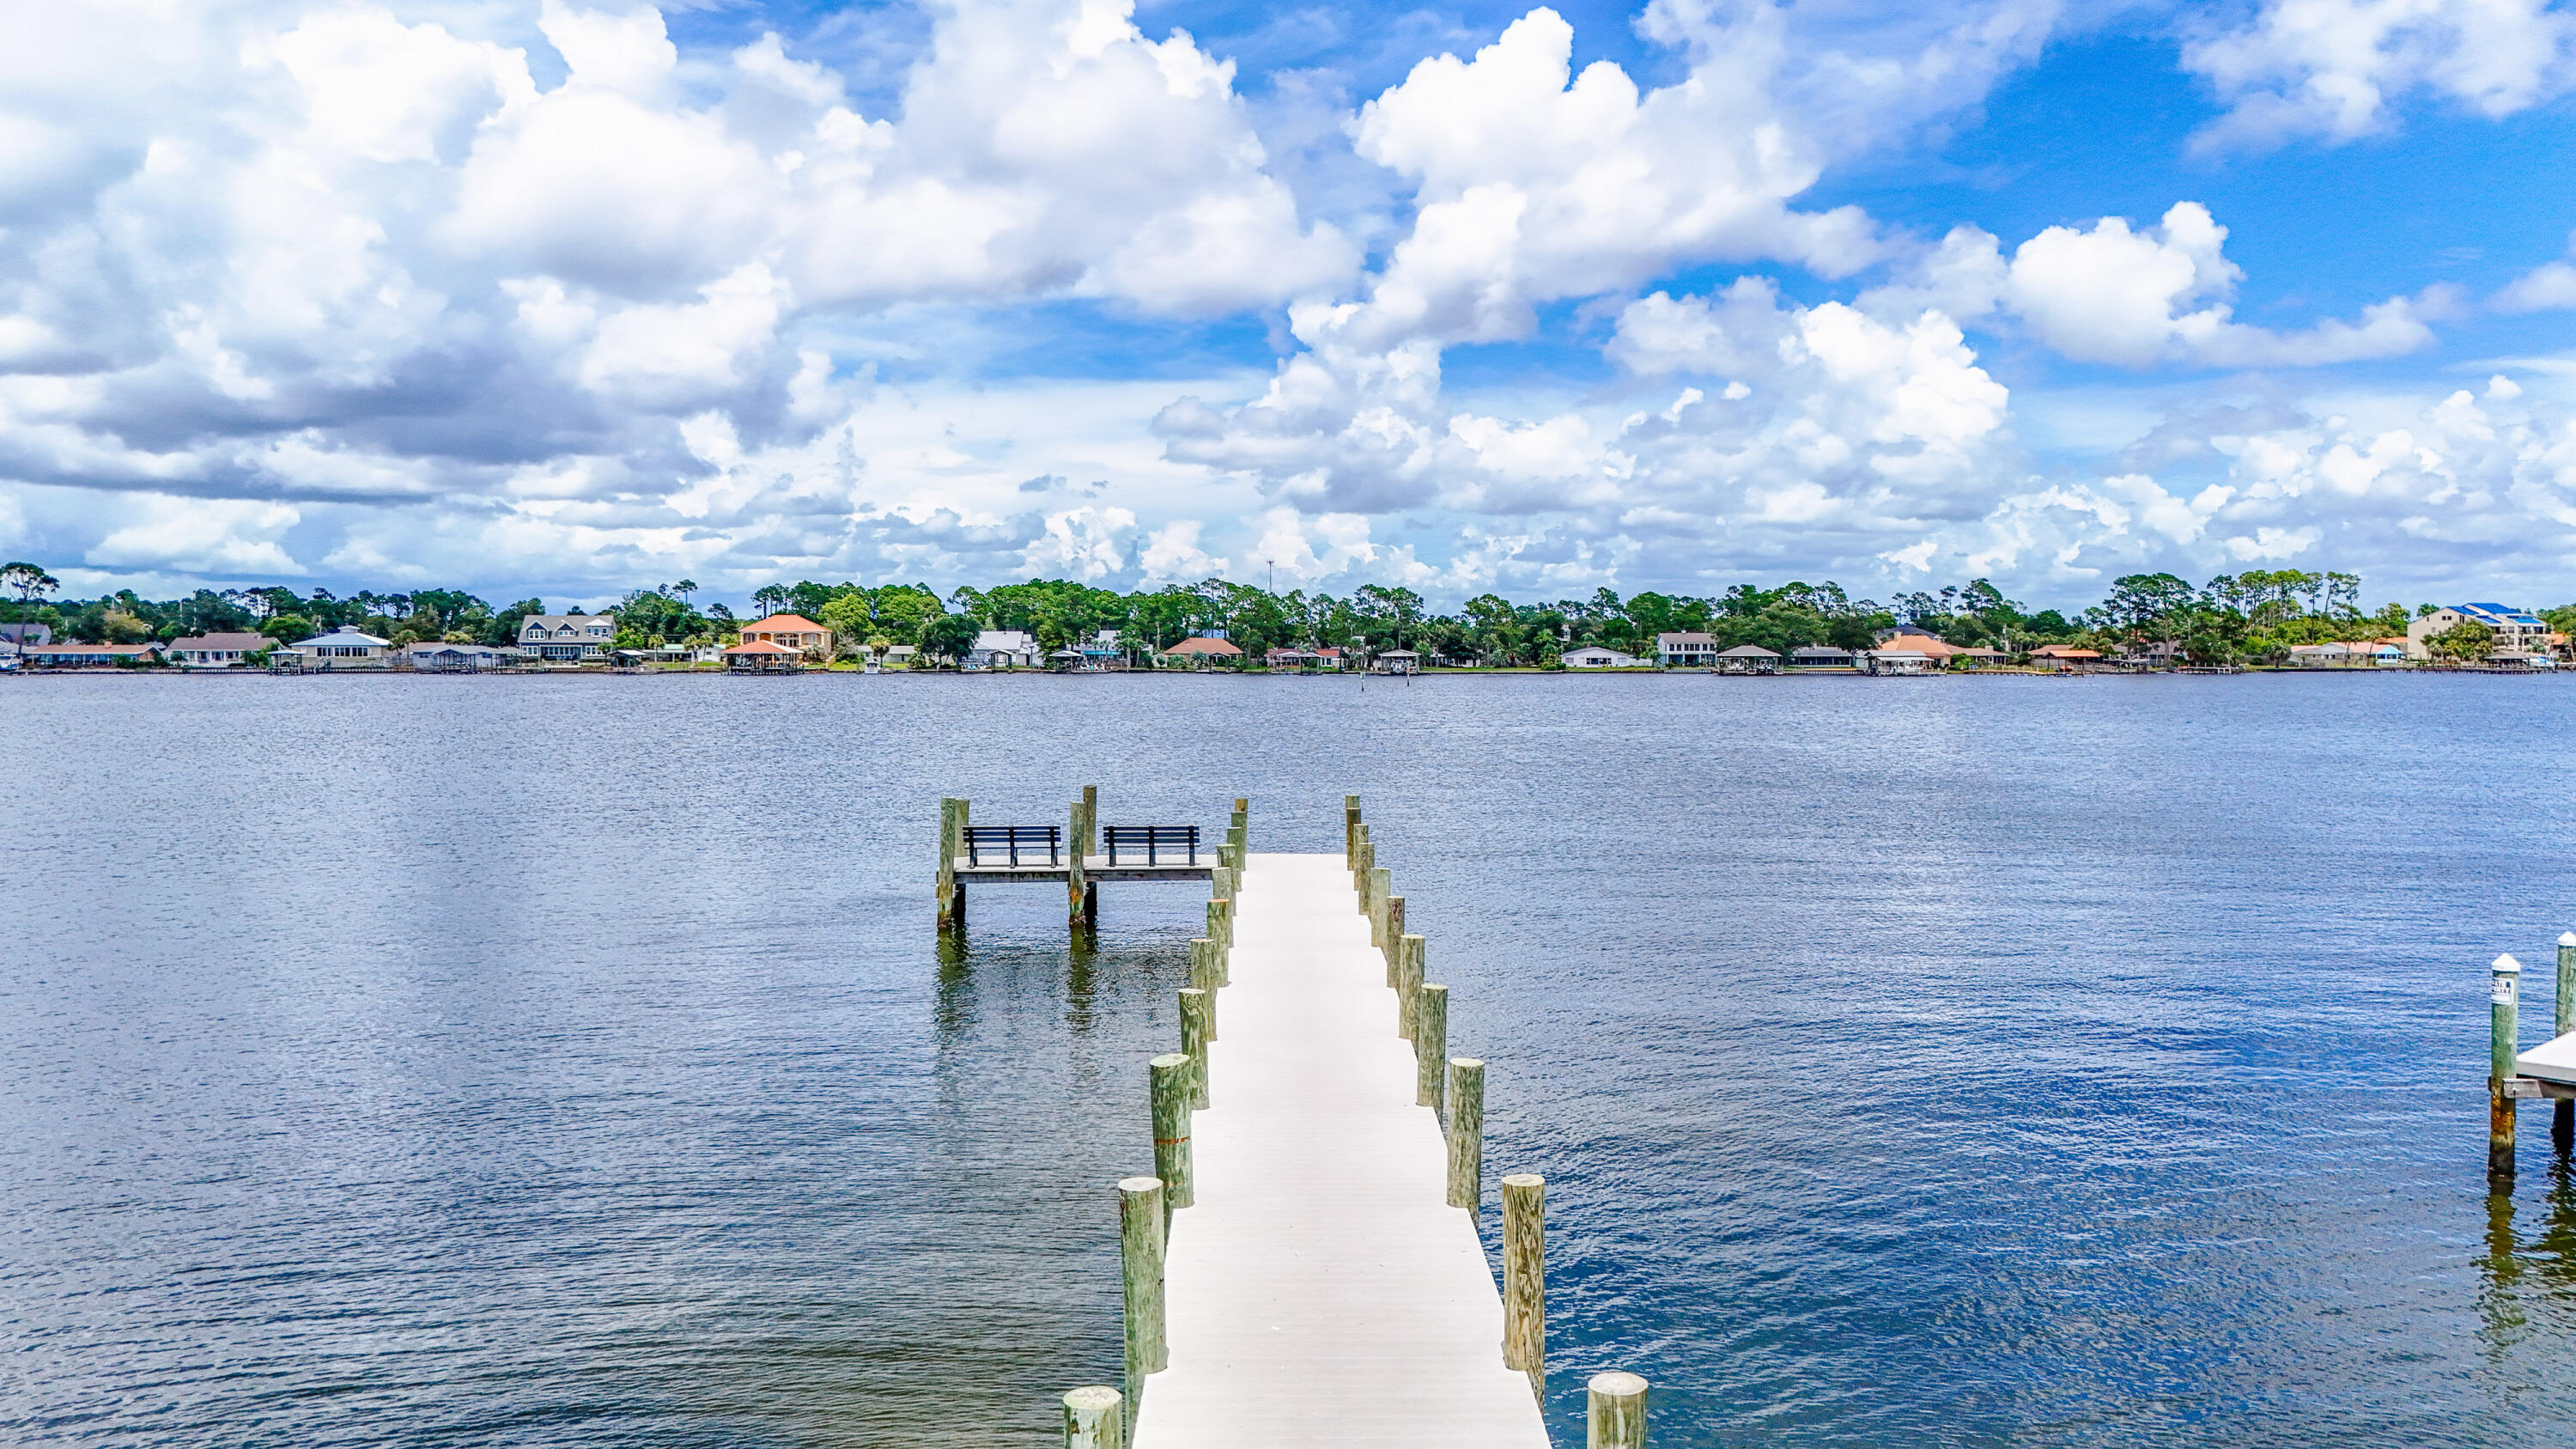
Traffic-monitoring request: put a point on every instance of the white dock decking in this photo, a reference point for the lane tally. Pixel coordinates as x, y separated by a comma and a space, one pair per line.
1321, 1292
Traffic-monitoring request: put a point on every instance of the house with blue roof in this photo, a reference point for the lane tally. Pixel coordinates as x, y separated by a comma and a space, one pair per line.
2518, 632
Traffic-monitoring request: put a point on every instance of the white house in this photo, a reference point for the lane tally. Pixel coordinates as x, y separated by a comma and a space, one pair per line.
1748, 659
343, 648
225, 650
2361, 655
1005, 649
1593, 656
567, 638
1686, 650
1899, 661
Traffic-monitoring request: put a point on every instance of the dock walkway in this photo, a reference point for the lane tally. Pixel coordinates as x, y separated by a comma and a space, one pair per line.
1320, 1291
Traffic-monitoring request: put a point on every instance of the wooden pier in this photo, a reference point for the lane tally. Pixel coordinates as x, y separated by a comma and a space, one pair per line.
1303, 1269
1321, 1291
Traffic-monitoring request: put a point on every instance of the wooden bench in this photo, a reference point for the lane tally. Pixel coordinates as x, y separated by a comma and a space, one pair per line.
1153, 839
1009, 839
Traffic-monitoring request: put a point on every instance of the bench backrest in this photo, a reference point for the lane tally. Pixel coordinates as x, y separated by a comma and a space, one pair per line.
1153, 839
1009, 838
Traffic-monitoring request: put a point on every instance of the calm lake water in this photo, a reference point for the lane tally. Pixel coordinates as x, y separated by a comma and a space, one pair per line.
435, 1061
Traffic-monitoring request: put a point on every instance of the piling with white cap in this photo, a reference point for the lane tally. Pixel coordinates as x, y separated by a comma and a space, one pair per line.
2562, 1117
2503, 996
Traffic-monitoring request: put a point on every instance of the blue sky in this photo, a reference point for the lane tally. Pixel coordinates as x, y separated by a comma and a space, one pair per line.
545, 298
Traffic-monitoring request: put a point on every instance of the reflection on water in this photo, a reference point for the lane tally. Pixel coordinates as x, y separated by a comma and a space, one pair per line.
1911, 1061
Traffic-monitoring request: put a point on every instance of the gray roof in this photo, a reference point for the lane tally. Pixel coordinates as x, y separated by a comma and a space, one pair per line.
224, 639
344, 636
1747, 651
1810, 650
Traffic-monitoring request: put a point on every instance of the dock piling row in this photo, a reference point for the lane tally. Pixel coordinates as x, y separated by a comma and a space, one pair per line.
1467, 1135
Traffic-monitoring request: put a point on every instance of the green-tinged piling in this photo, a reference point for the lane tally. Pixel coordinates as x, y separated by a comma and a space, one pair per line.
1525, 1277
1170, 1075
1380, 885
1393, 932
1430, 1046
1615, 1412
1408, 983
1194, 1041
1076, 885
951, 893
1091, 1419
2503, 996
1144, 1222
2562, 1113
1466, 1134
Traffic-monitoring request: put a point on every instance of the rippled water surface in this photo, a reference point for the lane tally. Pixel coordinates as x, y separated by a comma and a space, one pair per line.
420, 1061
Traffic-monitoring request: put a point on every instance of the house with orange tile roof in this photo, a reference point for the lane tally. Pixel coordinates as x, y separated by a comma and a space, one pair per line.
760, 656
791, 631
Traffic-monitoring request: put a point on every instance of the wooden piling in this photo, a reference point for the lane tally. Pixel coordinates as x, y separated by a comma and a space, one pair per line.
1430, 1046
1466, 1133
1076, 887
1144, 1221
1525, 1275
1092, 1419
1350, 828
1203, 963
2562, 1114
1171, 1098
1615, 1412
2503, 1043
1408, 983
1394, 942
952, 836
1195, 1034
1090, 820
1380, 884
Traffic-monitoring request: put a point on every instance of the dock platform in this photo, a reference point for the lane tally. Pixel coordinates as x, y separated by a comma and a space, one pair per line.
1320, 1291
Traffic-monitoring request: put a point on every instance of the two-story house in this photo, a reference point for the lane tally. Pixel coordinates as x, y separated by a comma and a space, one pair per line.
2517, 631
1686, 651
791, 631
567, 638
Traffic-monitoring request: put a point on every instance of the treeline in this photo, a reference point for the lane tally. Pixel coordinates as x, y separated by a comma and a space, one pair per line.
2239, 618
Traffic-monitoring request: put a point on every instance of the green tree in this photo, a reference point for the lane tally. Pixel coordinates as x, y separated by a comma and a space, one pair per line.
950, 636
287, 628
2465, 642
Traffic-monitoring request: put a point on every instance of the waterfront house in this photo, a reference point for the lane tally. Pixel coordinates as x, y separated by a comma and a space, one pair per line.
791, 631
1593, 656
761, 656
1686, 650
2065, 658
347, 647
75, 655
567, 638
901, 656
1748, 659
1819, 656
2517, 631
437, 658
1964, 656
1899, 661
1904, 641
1199, 652
2362, 654
1288, 656
1396, 661
224, 650
24, 635
1003, 649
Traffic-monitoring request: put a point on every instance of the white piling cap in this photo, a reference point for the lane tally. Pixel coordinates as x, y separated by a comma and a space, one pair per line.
2567, 938
2505, 965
